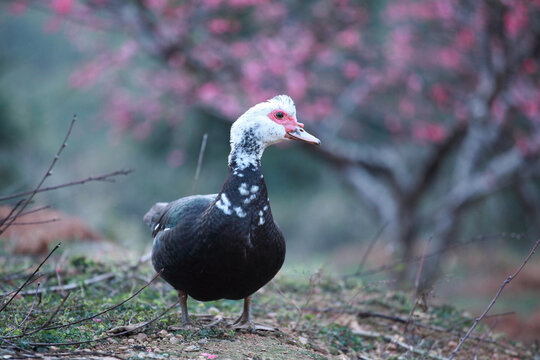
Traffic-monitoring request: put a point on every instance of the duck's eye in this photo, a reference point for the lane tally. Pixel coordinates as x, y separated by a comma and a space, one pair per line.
279, 115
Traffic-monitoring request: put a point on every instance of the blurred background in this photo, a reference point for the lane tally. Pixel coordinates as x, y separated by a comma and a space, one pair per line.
428, 112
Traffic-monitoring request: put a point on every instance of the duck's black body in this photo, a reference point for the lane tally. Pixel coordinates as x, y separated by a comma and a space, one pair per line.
223, 246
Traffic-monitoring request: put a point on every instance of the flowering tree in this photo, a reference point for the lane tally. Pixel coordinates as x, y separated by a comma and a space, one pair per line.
414, 100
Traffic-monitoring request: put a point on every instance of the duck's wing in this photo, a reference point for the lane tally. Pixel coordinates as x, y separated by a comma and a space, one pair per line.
167, 215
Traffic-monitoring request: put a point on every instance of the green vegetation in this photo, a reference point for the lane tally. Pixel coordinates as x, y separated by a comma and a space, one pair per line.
318, 316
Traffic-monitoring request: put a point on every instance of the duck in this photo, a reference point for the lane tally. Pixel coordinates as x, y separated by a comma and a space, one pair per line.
227, 245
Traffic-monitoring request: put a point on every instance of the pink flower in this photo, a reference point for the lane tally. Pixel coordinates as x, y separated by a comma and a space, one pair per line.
209, 356
62, 7
96, 320
433, 133
18, 7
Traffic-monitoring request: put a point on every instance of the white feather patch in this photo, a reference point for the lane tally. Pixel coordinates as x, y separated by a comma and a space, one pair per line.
243, 189
224, 204
239, 211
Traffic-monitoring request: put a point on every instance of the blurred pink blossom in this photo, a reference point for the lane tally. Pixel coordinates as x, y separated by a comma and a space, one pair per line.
433, 133
62, 7
18, 7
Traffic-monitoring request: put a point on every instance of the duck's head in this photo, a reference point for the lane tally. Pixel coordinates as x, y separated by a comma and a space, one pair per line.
265, 124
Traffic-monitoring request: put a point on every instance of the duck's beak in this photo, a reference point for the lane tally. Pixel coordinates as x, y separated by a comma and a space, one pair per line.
302, 135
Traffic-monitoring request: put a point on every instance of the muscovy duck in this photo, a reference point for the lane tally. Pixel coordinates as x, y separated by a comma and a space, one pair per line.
227, 245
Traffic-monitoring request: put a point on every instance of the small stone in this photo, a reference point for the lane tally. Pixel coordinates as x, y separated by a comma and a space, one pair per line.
203, 341
303, 340
163, 333
140, 337
191, 348
174, 340
131, 341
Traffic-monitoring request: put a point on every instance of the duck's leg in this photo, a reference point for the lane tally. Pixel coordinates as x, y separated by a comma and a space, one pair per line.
183, 305
244, 321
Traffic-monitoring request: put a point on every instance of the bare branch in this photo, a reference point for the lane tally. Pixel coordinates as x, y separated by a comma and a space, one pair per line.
199, 164
505, 282
105, 177
29, 278
47, 174
111, 335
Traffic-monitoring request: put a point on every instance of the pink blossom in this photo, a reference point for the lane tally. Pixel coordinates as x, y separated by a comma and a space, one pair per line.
18, 7
515, 19
433, 133
209, 356
209, 91
176, 158
96, 320
221, 26
440, 95
62, 7
530, 66
351, 70
349, 37
465, 39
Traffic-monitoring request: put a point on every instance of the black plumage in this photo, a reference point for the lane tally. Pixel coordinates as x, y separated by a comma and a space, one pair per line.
227, 245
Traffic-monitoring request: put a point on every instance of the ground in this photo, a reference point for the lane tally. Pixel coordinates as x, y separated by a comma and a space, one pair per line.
319, 316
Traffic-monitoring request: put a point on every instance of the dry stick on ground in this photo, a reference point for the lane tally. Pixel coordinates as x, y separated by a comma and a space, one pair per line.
199, 164
29, 278
390, 339
39, 222
108, 309
14, 216
418, 297
478, 319
108, 177
111, 335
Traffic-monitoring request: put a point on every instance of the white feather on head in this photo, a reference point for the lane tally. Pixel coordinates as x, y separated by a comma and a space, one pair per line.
253, 131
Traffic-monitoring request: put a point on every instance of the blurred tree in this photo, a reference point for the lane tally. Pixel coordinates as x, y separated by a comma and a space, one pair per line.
425, 107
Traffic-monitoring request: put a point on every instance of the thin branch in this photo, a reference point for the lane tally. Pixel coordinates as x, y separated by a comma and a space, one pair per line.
29, 278
71, 286
47, 174
29, 211
10, 215
104, 177
505, 282
313, 282
111, 335
108, 309
370, 246
199, 164
39, 222
490, 330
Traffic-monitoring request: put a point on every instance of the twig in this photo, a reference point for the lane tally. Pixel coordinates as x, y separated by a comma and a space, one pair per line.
199, 164
370, 247
39, 222
31, 308
313, 281
418, 296
111, 335
475, 352
392, 265
47, 174
374, 335
29, 278
478, 319
46, 323
104, 177
71, 286
108, 309
3, 221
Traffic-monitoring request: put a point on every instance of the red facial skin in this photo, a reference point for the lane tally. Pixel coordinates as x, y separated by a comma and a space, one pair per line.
287, 121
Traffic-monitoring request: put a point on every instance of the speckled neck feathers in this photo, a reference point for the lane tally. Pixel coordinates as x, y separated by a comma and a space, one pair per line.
244, 197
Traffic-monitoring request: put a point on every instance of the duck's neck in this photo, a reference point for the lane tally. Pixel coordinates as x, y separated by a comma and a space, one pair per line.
244, 195
247, 152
